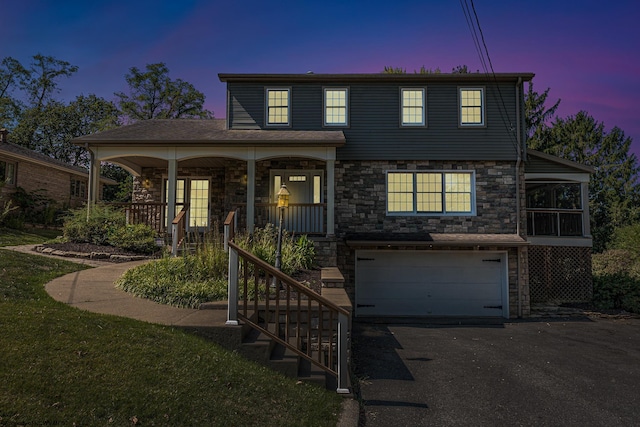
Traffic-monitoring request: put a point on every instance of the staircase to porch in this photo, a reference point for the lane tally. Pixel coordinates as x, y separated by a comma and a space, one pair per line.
285, 325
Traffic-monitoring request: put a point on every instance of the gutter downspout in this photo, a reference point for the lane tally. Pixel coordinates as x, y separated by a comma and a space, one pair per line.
518, 163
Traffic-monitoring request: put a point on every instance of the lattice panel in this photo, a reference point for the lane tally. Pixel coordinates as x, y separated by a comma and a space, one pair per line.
560, 274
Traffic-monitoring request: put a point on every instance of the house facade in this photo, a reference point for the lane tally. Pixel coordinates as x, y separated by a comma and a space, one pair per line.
36, 173
413, 185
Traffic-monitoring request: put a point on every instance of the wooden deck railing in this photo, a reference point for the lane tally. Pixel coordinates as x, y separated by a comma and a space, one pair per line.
150, 213
288, 312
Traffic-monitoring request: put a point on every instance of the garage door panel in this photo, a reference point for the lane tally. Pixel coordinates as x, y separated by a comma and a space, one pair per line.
415, 283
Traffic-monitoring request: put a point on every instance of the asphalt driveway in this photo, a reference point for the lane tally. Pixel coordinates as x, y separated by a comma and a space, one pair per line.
577, 371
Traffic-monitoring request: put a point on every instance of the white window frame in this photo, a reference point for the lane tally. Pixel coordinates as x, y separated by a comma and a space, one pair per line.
403, 122
482, 106
326, 106
268, 107
443, 212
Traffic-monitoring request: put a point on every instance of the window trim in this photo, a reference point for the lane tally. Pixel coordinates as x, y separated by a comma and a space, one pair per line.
443, 172
483, 107
9, 166
423, 124
346, 106
266, 106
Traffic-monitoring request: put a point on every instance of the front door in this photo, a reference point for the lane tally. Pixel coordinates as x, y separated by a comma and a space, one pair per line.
305, 213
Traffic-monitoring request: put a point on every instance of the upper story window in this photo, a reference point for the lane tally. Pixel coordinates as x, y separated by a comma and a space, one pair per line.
413, 110
335, 106
431, 193
472, 106
554, 209
7, 172
278, 107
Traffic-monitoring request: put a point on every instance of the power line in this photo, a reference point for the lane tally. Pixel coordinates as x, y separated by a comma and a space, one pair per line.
504, 113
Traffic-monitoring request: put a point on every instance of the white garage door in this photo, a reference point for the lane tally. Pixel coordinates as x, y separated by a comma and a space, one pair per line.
429, 283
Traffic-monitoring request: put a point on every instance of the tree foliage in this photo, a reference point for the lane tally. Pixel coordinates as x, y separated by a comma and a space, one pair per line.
537, 115
50, 129
154, 95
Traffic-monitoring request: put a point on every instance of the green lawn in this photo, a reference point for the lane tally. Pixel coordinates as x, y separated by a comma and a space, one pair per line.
63, 366
9, 237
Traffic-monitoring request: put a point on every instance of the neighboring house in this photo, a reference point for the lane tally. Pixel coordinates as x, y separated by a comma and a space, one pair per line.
413, 185
36, 173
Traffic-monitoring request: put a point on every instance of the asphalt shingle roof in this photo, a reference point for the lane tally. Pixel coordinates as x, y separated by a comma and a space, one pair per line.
202, 131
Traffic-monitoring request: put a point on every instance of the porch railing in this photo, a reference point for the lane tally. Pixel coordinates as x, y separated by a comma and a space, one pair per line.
150, 213
554, 222
307, 218
288, 312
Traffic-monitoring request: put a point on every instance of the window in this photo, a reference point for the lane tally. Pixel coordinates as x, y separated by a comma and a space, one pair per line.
472, 107
7, 173
554, 209
335, 107
430, 193
412, 102
278, 111
78, 188
194, 192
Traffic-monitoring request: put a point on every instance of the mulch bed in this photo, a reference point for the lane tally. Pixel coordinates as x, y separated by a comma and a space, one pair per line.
87, 248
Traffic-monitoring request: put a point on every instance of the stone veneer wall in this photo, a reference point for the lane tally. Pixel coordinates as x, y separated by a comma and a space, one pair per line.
361, 208
361, 196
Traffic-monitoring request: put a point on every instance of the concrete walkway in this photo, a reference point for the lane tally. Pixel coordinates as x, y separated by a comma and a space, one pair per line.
93, 290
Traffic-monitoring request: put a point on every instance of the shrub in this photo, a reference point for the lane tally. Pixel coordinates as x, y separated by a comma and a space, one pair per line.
297, 253
616, 280
192, 279
139, 238
97, 228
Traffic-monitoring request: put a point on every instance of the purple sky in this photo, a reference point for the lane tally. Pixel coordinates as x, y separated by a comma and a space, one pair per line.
587, 52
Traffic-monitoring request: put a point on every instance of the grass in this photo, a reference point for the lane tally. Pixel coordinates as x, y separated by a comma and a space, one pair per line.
34, 236
64, 366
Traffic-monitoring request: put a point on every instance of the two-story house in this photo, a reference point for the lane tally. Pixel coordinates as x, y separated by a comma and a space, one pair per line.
414, 185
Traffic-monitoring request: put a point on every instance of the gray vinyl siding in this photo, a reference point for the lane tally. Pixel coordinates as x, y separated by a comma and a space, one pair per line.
537, 165
374, 131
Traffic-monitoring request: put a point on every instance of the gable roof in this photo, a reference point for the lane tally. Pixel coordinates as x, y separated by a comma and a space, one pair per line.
205, 132
539, 160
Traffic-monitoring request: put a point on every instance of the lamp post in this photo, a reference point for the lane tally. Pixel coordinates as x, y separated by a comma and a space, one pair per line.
283, 202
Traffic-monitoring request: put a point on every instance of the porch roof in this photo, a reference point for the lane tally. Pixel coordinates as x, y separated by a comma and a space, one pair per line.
434, 239
206, 132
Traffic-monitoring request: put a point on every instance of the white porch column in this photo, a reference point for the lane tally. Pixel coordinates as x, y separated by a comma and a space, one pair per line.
331, 186
171, 196
251, 192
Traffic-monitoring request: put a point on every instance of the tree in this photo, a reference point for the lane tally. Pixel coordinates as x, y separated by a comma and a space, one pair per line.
153, 95
537, 116
614, 191
400, 70
12, 77
38, 83
120, 192
51, 129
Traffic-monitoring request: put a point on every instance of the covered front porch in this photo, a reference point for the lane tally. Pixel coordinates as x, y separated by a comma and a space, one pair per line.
210, 171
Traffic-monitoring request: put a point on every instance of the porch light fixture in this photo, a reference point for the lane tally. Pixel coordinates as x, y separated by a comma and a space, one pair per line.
146, 183
283, 202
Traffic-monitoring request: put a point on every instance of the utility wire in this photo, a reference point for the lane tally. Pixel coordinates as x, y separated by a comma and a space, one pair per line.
504, 113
